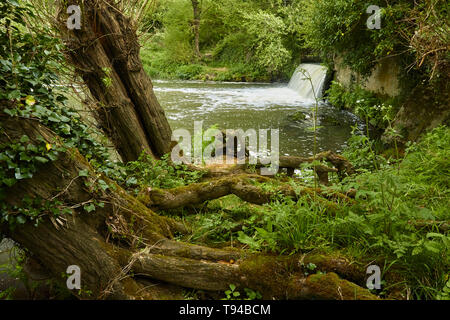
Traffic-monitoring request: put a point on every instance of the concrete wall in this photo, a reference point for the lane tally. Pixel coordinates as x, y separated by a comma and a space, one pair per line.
383, 80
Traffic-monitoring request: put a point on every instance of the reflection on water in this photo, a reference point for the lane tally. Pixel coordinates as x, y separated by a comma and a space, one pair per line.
257, 106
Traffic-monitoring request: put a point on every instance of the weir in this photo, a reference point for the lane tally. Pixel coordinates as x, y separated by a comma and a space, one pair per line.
300, 84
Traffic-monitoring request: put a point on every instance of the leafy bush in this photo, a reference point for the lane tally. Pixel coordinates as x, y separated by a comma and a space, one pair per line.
411, 30
148, 172
373, 109
380, 223
189, 71
262, 36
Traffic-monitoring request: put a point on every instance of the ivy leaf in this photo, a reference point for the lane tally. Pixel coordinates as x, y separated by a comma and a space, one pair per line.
21, 219
41, 159
52, 156
32, 147
25, 157
24, 139
54, 119
18, 175
9, 182
103, 185
14, 3
83, 173
14, 94
89, 208
30, 100
131, 181
10, 112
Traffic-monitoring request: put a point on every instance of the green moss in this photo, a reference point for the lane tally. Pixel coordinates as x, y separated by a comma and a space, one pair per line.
268, 273
330, 286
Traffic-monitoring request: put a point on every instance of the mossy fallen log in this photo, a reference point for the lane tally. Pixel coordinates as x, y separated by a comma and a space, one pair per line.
247, 187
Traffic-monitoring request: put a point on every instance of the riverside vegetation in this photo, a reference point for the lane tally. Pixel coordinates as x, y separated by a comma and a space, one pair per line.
393, 211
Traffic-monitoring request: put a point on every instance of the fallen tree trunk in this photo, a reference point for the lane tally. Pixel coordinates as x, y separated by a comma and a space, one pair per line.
122, 241
244, 186
341, 166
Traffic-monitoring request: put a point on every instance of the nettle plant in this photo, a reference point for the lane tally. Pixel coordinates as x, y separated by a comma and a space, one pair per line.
31, 88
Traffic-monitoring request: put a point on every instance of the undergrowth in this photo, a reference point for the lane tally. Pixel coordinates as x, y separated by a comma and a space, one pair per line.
395, 219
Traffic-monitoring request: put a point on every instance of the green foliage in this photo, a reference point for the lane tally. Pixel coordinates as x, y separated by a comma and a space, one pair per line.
377, 111
379, 224
267, 31
177, 38
148, 172
232, 294
253, 40
445, 293
340, 27
189, 71
20, 159
30, 64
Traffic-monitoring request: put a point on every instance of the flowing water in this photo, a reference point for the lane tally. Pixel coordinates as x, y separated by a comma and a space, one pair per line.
309, 76
259, 106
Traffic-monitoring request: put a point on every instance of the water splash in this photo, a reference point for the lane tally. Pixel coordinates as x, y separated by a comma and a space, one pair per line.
300, 84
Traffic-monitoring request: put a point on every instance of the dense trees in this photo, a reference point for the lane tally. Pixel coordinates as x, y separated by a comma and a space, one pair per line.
255, 38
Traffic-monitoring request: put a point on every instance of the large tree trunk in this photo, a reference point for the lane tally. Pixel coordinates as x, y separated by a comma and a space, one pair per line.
123, 241
105, 53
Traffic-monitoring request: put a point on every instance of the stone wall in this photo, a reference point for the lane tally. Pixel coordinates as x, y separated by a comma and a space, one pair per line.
383, 80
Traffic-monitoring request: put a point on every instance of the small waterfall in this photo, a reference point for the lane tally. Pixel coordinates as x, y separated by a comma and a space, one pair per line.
302, 86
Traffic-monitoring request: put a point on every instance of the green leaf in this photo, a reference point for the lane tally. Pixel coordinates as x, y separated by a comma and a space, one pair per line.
21, 219
14, 94
10, 112
83, 173
29, 100
32, 147
54, 119
24, 139
25, 157
9, 182
41, 159
89, 208
52, 155
14, 3
103, 185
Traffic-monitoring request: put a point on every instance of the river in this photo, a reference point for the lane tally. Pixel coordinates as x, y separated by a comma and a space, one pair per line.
255, 106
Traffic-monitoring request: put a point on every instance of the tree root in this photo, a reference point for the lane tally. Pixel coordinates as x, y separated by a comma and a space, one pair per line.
243, 186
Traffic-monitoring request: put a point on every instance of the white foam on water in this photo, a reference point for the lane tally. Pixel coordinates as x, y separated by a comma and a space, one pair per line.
308, 80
